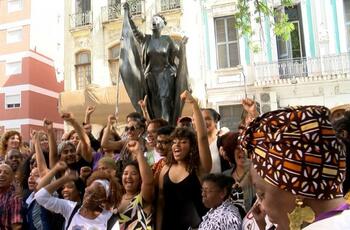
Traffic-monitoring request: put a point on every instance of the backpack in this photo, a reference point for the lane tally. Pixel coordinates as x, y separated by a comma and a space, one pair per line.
111, 221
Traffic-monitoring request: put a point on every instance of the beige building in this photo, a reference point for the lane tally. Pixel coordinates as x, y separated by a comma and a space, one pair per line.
92, 39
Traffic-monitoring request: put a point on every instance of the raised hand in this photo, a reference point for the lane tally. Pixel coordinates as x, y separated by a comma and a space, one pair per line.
48, 124
85, 172
90, 109
249, 105
61, 166
143, 103
134, 147
68, 117
187, 97
33, 134
111, 119
259, 215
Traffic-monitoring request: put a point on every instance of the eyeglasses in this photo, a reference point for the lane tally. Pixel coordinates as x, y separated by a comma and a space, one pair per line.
131, 128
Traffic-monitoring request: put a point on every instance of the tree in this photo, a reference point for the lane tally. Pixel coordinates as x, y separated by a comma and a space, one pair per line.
277, 18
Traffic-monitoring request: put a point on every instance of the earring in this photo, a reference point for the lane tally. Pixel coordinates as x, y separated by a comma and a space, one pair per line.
300, 215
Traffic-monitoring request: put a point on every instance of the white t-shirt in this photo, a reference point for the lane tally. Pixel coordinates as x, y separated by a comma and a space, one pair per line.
66, 207
215, 157
337, 222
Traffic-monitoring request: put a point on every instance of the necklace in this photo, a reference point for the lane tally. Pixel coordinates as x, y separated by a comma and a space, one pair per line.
239, 178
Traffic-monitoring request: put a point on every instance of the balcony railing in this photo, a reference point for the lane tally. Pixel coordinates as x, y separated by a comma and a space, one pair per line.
80, 19
111, 12
303, 67
170, 4
135, 7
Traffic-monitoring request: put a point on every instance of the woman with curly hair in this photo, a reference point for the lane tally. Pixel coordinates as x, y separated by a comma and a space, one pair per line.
100, 194
179, 201
10, 140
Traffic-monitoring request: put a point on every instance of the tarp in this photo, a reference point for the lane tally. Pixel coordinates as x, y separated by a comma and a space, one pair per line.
104, 99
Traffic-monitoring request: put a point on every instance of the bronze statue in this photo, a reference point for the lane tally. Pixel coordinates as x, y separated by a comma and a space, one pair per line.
160, 72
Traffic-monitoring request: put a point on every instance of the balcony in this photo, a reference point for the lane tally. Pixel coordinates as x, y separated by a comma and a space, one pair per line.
135, 7
305, 68
80, 19
170, 5
111, 12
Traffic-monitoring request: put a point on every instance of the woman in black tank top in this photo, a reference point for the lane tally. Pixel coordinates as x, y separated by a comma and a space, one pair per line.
179, 201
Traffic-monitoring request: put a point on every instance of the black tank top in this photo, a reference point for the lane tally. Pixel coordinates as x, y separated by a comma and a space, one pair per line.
183, 207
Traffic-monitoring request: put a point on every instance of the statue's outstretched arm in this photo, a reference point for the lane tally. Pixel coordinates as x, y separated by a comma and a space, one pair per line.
140, 37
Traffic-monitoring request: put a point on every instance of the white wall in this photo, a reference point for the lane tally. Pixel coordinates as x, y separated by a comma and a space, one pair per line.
46, 31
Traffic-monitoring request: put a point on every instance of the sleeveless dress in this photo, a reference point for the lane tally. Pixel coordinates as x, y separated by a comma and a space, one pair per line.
183, 207
134, 217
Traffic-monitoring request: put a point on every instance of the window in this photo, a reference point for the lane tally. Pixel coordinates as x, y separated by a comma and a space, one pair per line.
227, 47
230, 116
82, 6
13, 68
114, 63
14, 5
14, 35
294, 47
82, 16
83, 69
347, 21
13, 101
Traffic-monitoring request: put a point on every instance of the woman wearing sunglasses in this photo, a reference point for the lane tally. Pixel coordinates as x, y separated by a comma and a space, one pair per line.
134, 131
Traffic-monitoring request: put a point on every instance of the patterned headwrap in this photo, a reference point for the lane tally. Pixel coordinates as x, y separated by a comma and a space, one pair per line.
296, 150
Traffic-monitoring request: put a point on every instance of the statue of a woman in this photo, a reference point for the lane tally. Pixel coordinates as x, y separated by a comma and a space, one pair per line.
159, 68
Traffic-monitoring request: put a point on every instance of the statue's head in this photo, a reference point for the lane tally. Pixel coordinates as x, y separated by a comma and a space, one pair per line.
158, 22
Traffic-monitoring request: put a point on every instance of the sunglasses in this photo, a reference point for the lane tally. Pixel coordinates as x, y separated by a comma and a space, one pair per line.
131, 128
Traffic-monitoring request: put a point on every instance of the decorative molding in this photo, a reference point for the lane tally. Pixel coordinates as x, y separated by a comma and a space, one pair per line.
16, 123
82, 42
28, 87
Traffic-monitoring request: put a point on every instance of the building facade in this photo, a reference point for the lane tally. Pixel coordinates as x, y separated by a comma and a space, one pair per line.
310, 68
29, 90
92, 44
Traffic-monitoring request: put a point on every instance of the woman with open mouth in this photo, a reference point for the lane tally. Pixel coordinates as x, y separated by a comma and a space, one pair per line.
179, 201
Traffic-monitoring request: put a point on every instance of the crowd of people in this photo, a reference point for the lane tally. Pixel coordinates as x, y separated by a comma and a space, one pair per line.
284, 169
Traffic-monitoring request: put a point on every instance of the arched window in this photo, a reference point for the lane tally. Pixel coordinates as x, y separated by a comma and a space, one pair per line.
83, 69
113, 60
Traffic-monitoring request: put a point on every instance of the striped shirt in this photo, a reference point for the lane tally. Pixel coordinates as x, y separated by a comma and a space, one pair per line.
10, 209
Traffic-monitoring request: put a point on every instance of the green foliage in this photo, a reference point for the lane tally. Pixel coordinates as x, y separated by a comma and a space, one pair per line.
277, 18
